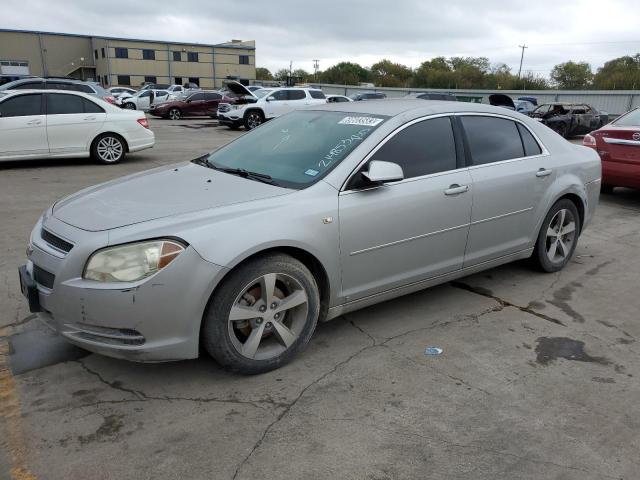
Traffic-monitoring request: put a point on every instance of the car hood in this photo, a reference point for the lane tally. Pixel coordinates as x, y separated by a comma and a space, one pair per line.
239, 89
158, 193
501, 100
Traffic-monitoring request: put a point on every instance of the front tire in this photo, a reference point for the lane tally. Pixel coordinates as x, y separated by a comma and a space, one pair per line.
175, 114
108, 149
558, 237
130, 106
262, 314
253, 119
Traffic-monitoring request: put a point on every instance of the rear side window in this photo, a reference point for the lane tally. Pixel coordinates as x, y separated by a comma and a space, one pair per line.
422, 148
212, 96
296, 94
61, 104
22, 106
316, 94
531, 147
492, 139
91, 107
196, 97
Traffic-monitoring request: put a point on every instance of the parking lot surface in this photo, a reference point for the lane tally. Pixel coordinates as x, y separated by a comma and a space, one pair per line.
538, 377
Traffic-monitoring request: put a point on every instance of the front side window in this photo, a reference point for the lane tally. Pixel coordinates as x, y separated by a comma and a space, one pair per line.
492, 139
422, 148
196, 97
148, 54
28, 86
212, 96
21, 106
316, 94
279, 95
297, 149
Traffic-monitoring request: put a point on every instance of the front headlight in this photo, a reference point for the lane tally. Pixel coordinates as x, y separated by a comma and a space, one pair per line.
131, 262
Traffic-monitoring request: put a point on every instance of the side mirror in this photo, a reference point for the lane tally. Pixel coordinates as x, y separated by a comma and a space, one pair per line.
269, 99
382, 172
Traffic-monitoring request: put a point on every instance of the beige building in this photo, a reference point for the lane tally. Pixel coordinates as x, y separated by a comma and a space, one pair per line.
121, 61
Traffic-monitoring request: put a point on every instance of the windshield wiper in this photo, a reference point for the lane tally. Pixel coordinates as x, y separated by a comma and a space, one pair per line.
241, 172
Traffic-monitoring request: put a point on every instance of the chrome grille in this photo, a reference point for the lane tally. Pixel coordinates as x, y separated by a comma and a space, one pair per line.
224, 107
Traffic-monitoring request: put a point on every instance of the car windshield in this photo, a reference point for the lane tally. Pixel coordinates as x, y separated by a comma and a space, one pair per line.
631, 119
262, 92
298, 149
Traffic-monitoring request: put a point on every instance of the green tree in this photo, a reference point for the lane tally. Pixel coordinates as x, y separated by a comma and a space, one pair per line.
301, 75
345, 73
572, 75
434, 73
621, 73
385, 73
263, 74
281, 74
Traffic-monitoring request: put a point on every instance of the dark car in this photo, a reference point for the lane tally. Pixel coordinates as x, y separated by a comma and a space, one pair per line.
41, 83
618, 145
357, 97
202, 103
568, 119
433, 96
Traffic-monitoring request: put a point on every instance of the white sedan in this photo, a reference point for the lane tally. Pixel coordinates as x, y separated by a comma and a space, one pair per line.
141, 100
61, 123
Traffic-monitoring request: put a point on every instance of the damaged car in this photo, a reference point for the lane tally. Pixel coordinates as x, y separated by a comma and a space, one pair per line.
568, 119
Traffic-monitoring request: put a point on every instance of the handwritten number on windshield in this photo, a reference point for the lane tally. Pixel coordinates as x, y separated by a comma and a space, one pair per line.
339, 148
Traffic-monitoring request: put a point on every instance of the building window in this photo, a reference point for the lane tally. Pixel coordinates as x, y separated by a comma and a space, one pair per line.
95, 53
151, 79
244, 59
192, 56
124, 80
122, 53
195, 80
177, 81
148, 54
102, 52
106, 80
177, 56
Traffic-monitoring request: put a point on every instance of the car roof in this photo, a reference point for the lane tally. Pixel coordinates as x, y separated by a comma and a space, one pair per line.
49, 90
392, 107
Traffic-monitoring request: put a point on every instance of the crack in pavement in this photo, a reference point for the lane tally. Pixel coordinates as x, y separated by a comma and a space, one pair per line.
505, 303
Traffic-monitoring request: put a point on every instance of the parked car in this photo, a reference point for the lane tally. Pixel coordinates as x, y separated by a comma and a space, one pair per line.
155, 86
524, 106
357, 97
533, 100
37, 83
618, 145
117, 91
254, 108
298, 222
338, 99
141, 100
203, 103
568, 119
433, 96
253, 88
64, 123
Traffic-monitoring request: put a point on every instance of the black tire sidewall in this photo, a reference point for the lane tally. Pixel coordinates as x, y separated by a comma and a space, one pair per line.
215, 334
248, 114
175, 110
540, 252
94, 149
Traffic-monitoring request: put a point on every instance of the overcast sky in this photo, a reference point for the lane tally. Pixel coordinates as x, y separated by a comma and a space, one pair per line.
406, 31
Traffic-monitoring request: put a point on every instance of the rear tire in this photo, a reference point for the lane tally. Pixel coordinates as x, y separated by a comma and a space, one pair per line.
247, 331
130, 106
558, 237
607, 189
108, 149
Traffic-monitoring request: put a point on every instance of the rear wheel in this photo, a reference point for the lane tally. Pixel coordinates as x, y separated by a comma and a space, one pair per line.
108, 148
253, 119
175, 114
606, 188
558, 237
262, 315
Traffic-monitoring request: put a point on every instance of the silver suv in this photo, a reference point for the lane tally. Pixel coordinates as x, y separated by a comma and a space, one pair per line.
38, 83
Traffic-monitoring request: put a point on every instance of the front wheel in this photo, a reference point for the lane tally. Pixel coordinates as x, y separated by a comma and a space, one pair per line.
175, 114
262, 315
130, 106
558, 237
253, 119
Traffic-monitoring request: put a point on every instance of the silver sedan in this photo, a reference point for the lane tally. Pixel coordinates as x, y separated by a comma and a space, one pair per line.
312, 215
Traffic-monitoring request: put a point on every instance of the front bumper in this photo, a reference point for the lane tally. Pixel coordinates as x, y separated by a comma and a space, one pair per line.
231, 119
155, 319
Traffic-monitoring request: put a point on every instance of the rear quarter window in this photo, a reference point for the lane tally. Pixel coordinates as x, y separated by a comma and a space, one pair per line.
531, 146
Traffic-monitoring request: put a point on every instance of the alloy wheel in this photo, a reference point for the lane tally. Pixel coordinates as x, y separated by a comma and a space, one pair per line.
109, 149
268, 316
174, 114
254, 120
561, 234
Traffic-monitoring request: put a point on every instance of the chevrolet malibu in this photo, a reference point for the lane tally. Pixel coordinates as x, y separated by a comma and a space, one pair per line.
318, 213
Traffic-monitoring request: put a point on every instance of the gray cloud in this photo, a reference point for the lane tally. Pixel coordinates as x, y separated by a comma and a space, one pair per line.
407, 31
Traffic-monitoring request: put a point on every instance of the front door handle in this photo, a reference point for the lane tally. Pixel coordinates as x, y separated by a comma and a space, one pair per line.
544, 172
34, 122
456, 189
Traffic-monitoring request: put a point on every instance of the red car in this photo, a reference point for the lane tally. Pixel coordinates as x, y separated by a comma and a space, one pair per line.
618, 145
201, 103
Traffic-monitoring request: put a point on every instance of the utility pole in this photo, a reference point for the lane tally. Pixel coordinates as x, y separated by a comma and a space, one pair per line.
316, 65
521, 58
289, 83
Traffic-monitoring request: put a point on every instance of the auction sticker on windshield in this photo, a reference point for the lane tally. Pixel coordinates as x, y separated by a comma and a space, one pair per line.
368, 121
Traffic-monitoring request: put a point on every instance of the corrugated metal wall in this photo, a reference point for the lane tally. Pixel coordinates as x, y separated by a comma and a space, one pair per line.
613, 102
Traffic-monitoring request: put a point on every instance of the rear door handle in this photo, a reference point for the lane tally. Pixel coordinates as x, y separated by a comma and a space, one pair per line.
89, 118
34, 122
544, 172
456, 189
